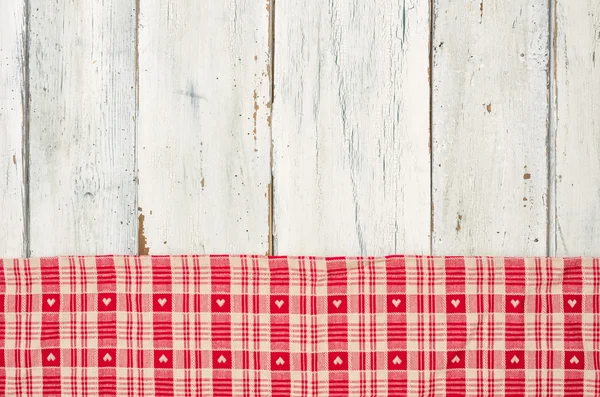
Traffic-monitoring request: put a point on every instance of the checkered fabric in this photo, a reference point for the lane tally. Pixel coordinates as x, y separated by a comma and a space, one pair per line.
299, 326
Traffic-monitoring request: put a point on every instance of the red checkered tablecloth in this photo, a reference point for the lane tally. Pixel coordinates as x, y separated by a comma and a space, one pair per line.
299, 326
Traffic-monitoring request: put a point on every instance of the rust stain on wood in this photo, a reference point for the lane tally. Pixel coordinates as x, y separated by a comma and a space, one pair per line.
527, 175
458, 222
489, 108
255, 113
143, 248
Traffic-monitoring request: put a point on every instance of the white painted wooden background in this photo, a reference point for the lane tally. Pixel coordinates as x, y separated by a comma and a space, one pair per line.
300, 127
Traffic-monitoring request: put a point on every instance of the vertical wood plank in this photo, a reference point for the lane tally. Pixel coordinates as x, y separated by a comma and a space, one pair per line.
577, 99
12, 127
351, 127
82, 127
489, 127
204, 136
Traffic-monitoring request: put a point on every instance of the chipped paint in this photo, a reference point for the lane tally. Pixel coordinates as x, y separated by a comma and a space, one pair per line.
489, 108
14, 158
143, 248
458, 219
202, 183
256, 107
481, 11
526, 175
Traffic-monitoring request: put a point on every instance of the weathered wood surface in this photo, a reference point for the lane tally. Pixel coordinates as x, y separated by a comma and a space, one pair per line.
204, 135
12, 127
82, 127
149, 130
577, 142
489, 127
351, 128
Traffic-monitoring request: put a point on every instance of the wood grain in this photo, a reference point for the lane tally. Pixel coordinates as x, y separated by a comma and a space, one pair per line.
489, 127
82, 127
12, 127
351, 128
577, 99
204, 136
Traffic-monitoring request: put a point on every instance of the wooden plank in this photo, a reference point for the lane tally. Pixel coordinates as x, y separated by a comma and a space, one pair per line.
489, 127
351, 127
204, 136
12, 127
577, 53
82, 127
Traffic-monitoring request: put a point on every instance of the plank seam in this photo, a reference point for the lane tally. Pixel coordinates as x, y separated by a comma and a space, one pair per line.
432, 209
271, 209
552, 118
25, 152
141, 240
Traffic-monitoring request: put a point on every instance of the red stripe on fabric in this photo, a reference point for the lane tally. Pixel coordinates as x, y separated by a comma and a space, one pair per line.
221, 304
282, 307
338, 303
457, 304
515, 303
52, 302
163, 305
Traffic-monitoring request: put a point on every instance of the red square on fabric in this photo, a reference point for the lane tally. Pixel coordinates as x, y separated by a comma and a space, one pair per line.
338, 361
163, 359
337, 304
51, 303
455, 303
456, 359
221, 359
572, 303
51, 357
107, 357
280, 304
280, 361
107, 301
220, 303
515, 359
574, 360
162, 302
1, 358
397, 360
515, 304
396, 304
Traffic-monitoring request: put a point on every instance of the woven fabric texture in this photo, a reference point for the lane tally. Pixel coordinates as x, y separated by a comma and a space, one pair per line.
299, 326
